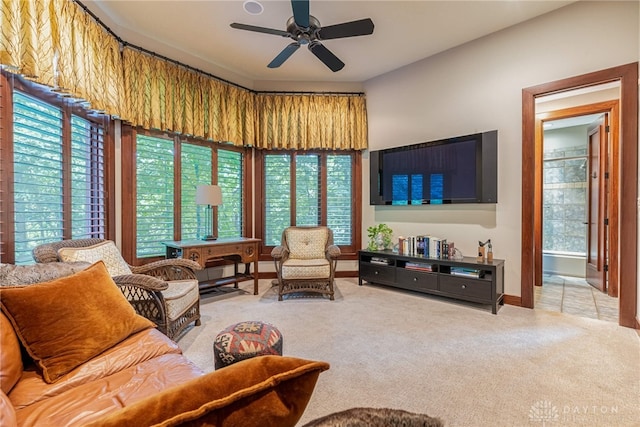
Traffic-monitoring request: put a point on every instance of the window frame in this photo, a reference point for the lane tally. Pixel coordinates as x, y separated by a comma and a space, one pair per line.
129, 185
8, 84
348, 252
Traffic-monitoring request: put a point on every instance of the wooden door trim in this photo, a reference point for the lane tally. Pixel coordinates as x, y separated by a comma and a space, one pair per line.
627, 267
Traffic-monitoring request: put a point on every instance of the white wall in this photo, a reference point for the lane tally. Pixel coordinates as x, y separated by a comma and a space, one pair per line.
478, 87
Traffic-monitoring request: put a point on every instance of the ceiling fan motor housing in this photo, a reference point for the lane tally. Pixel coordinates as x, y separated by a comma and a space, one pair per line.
303, 35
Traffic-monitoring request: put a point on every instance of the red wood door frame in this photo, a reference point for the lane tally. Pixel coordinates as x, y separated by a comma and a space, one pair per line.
626, 264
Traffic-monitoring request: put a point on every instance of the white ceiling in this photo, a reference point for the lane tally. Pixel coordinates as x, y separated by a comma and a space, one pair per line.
197, 33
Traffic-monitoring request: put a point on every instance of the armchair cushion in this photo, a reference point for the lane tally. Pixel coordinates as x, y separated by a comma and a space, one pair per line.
60, 336
105, 251
179, 296
307, 243
293, 269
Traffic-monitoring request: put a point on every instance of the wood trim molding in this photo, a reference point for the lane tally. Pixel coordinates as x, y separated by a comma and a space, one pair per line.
512, 300
627, 75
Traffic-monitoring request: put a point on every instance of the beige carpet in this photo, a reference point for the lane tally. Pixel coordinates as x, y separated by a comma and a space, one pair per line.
458, 362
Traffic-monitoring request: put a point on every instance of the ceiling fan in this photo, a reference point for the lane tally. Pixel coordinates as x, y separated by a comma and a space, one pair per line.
305, 29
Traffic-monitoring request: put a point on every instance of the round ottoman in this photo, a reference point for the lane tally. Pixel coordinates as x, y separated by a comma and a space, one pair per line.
245, 340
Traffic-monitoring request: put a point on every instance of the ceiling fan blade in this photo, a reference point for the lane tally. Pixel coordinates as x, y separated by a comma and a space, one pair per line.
362, 27
284, 55
301, 12
260, 29
325, 55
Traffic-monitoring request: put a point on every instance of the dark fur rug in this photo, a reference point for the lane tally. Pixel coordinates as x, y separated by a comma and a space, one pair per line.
375, 417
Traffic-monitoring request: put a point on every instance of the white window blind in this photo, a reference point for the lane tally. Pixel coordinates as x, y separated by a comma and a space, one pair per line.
154, 195
230, 214
196, 170
340, 198
38, 185
88, 195
277, 203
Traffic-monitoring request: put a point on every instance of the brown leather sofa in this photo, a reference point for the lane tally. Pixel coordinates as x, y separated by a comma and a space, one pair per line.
143, 380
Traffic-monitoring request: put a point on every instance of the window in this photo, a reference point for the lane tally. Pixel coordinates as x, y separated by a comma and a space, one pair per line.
167, 170
88, 191
307, 189
196, 169
49, 203
154, 195
37, 176
230, 180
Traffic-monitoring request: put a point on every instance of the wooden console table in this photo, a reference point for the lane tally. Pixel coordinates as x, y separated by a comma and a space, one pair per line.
238, 250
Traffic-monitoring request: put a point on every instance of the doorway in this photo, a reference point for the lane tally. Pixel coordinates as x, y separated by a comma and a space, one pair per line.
575, 171
623, 269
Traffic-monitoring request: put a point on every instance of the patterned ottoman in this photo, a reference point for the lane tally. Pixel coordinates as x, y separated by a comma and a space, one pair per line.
245, 340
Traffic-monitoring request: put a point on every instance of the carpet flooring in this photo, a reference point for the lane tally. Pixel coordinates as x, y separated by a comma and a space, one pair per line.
451, 360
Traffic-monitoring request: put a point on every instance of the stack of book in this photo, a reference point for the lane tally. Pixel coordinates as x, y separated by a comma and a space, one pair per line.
418, 266
378, 260
467, 272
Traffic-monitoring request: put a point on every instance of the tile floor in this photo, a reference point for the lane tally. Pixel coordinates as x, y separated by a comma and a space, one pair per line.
573, 295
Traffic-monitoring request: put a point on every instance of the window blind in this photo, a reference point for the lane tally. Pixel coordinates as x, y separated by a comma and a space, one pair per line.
154, 195
196, 170
38, 165
340, 198
88, 196
230, 214
307, 190
277, 203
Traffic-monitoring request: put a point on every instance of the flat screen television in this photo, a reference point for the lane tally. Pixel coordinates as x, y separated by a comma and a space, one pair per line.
463, 169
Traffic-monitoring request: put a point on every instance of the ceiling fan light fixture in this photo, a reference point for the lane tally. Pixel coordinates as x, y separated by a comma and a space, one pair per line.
253, 7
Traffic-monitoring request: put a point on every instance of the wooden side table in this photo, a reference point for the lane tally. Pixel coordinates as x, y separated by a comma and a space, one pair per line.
238, 250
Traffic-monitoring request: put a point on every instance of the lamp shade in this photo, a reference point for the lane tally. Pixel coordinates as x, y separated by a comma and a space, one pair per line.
208, 195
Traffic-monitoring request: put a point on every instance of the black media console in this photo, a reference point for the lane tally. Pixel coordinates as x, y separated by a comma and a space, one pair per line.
465, 279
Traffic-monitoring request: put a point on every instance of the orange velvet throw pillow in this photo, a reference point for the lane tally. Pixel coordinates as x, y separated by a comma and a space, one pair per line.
264, 391
68, 321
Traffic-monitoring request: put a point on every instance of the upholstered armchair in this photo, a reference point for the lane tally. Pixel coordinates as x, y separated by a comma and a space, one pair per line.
306, 261
165, 292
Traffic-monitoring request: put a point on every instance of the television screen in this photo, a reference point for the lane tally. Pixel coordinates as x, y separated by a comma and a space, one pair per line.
455, 170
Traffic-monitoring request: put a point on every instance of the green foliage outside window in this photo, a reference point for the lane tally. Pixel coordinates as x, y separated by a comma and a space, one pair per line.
308, 171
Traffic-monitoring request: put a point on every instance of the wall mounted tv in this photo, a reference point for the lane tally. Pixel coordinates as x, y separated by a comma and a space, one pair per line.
463, 169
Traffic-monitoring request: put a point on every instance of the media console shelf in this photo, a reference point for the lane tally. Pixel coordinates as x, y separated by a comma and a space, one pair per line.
466, 279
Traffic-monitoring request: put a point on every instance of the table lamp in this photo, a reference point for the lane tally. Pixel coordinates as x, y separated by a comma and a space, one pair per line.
210, 195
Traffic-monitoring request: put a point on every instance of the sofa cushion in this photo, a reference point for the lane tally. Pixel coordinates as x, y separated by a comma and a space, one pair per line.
133, 352
97, 398
12, 275
265, 391
10, 356
7, 412
65, 322
104, 251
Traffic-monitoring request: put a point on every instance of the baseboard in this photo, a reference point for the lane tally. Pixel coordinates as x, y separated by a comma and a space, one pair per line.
272, 274
512, 300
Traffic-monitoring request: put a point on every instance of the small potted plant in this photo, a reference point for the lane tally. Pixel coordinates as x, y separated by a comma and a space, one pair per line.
379, 237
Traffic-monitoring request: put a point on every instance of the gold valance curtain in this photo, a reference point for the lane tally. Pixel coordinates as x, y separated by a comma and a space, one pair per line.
304, 122
56, 43
163, 95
